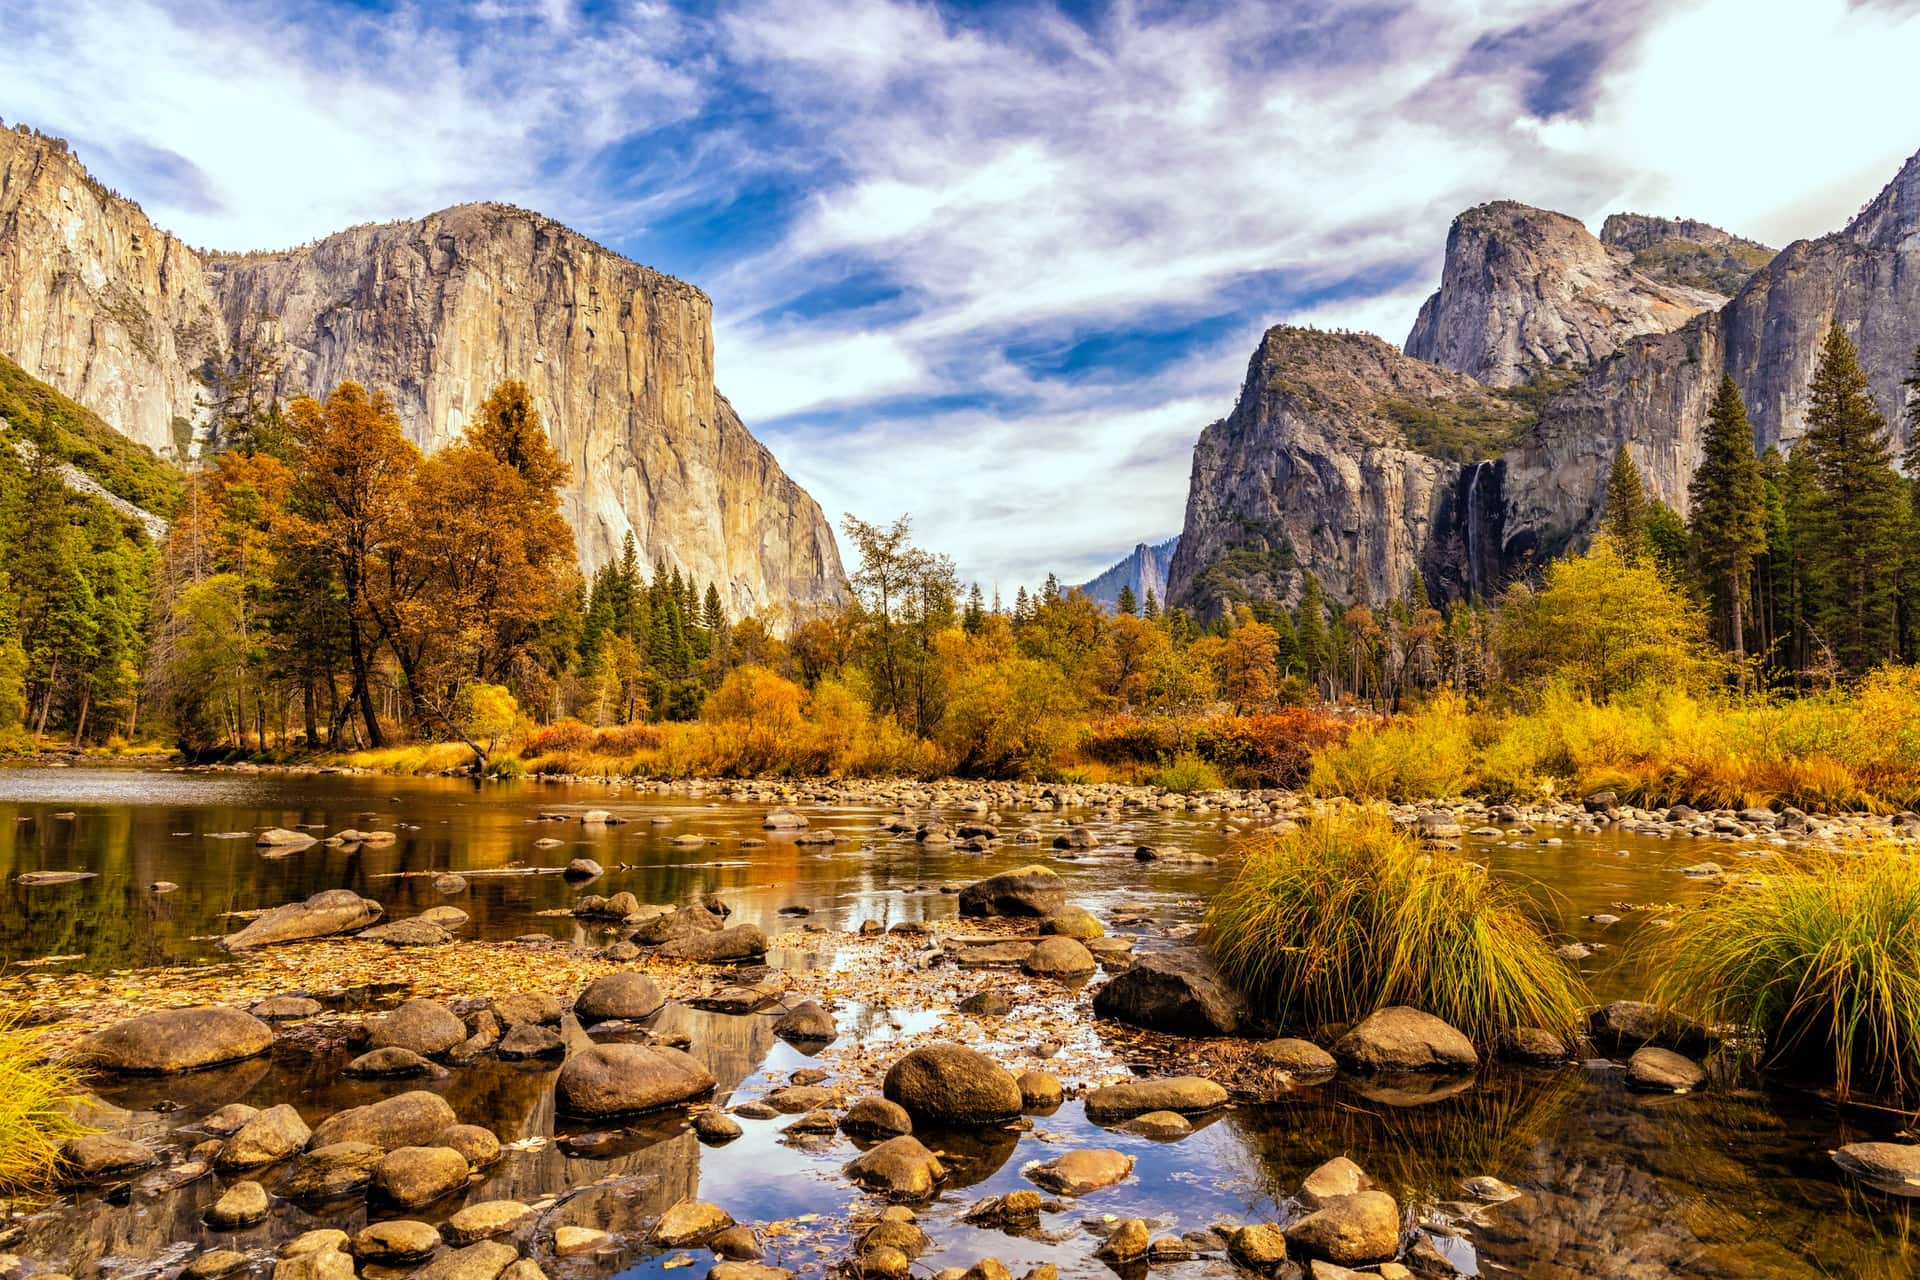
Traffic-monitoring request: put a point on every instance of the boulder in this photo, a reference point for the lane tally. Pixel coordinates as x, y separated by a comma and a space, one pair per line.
722, 946
398, 1241
623, 1079
216, 1264
1030, 891
269, 1137
285, 1008
323, 915
281, 838
1398, 1038
672, 925
784, 820
1534, 1044
240, 1206
949, 1084
1626, 1025
478, 1144
1261, 1247
484, 1221
1161, 1126
1349, 1231
1059, 957
1040, 1090
1662, 1069
227, 1120
1188, 1095
409, 1119
582, 869
876, 1117
1296, 1057
1078, 1172
808, 1023
1337, 1178
101, 1157
391, 1063
415, 932
331, 1171
899, 1169
484, 1261
1179, 992
986, 1004
1127, 1242
1073, 922
176, 1040
1892, 1164
690, 1222
528, 1040
413, 1176
426, 1027
619, 995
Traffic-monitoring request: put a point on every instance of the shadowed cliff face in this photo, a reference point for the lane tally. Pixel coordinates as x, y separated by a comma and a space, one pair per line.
437, 311
1354, 486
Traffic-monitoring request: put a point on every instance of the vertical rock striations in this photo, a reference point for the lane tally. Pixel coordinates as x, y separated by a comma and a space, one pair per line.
437, 311
1142, 571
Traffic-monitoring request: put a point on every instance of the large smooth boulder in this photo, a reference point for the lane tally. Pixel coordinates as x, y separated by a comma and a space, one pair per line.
1893, 1164
1188, 1095
953, 1085
1059, 957
426, 1027
1349, 1231
806, 1023
1178, 992
409, 1119
899, 1169
413, 1176
1079, 1172
98, 1157
177, 1040
1029, 891
484, 1261
690, 1222
323, 915
534, 1007
1398, 1038
875, 1117
670, 926
1296, 1058
619, 995
1073, 922
623, 1079
241, 1205
721, 946
268, 1137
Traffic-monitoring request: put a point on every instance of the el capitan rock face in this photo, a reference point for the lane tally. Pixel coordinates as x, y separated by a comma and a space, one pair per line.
1526, 288
437, 310
1332, 460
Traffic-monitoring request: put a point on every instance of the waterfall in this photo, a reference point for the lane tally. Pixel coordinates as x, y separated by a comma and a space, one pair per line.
1472, 517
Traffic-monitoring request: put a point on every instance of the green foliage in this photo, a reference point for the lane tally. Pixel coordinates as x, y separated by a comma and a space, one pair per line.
1425, 756
1729, 505
1856, 517
1717, 268
36, 1109
1624, 510
1186, 774
124, 468
1346, 915
1467, 430
1819, 959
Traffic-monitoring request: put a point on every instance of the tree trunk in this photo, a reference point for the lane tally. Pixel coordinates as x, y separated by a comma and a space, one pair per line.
46, 703
86, 701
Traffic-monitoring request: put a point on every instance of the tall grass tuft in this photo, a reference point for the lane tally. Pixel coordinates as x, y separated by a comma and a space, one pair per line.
1819, 963
35, 1115
1185, 774
1347, 914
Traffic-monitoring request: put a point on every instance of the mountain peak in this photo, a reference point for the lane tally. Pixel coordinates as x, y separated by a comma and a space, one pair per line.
1891, 219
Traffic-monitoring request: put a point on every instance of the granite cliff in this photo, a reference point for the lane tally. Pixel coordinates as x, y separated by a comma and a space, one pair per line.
1144, 569
1329, 464
122, 317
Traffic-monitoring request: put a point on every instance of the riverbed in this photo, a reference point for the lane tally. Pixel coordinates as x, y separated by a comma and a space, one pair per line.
1725, 1182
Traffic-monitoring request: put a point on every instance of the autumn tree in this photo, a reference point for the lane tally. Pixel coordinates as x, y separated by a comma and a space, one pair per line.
1624, 510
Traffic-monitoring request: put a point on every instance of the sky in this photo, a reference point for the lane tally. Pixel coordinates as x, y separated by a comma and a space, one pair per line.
991, 265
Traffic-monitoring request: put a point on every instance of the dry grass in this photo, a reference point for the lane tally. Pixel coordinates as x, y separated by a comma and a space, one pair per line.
35, 1115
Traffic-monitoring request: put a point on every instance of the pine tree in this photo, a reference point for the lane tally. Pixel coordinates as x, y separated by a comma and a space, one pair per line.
1126, 603
1051, 593
1729, 509
1310, 628
1153, 604
1773, 570
1623, 517
1857, 517
975, 616
1022, 608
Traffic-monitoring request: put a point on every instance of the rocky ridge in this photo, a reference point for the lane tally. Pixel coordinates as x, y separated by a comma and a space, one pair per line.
1361, 490
122, 316
1144, 570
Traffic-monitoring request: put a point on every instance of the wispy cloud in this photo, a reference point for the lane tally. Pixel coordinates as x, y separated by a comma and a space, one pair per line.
994, 265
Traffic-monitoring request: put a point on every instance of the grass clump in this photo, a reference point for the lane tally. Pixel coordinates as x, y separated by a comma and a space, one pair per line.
35, 1109
1185, 774
1818, 963
1347, 915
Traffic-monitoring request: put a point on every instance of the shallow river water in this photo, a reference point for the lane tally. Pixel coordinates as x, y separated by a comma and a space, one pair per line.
1723, 1183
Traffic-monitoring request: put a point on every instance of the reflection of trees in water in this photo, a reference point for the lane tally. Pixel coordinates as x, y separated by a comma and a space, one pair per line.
1618, 1184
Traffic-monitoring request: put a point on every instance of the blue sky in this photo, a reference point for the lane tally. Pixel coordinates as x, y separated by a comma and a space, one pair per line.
996, 264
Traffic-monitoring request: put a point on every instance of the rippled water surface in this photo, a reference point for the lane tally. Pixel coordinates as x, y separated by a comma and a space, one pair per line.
1720, 1184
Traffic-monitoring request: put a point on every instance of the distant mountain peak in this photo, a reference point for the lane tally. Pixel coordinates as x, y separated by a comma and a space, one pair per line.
1143, 569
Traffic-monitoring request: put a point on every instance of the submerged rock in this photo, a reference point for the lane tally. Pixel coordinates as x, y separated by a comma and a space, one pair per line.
323, 915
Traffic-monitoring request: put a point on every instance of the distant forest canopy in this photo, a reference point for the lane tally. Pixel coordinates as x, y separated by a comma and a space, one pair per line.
325, 585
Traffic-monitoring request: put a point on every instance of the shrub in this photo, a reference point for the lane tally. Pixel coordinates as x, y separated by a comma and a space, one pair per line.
1818, 962
1186, 774
1347, 915
561, 735
1422, 756
35, 1108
